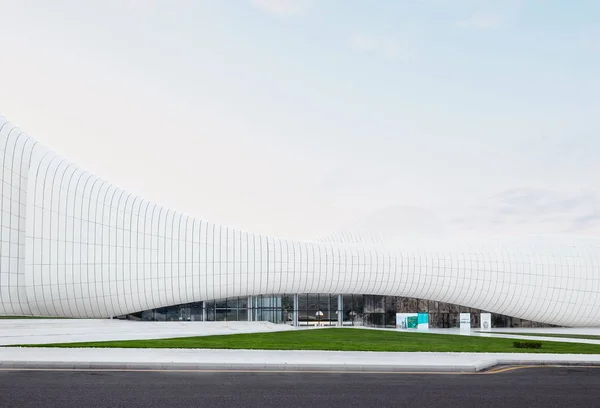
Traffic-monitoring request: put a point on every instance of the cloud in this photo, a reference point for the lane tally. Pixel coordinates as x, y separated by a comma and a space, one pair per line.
535, 211
512, 213
363, 43
388, 48
590, 38
389, 225
482, 21
342, 178
140, 5
282, 7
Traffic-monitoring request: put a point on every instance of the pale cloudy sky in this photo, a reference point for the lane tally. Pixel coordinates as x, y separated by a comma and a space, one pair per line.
302, 118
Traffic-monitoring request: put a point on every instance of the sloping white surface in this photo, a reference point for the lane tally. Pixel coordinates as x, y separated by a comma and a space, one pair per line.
42, 331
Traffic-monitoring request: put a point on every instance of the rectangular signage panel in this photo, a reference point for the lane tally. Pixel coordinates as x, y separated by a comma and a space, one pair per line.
465, 321
486, 321
423, 321
407, 320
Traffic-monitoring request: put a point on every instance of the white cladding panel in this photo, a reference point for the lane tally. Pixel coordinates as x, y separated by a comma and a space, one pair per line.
15, 155
76, 246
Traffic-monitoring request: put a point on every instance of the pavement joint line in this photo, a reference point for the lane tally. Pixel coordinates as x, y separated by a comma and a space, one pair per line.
240, 371
498, 370
349, 370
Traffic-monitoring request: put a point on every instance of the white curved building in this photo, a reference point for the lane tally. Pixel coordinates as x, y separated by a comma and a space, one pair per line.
77, 246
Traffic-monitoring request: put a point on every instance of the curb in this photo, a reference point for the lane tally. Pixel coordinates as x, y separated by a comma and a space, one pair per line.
350, 368
572, 363
82, 365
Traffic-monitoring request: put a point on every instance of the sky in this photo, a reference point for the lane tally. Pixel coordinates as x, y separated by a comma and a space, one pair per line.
307, 118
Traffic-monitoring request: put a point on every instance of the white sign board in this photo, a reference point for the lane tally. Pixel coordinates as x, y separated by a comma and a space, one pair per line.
465, 321
407, 320
486, 321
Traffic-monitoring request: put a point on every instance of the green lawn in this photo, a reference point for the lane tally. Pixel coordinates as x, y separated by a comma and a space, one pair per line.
345, 339
564, 336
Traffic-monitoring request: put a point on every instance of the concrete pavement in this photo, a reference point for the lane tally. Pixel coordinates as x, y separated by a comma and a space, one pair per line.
46, 331
276, 360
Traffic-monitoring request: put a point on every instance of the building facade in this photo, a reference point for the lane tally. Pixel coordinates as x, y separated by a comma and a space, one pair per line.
73, 245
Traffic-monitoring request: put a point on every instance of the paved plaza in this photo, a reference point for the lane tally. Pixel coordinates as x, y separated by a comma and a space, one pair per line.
46, 331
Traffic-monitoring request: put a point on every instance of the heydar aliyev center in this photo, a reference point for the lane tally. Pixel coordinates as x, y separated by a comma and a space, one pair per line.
74, 245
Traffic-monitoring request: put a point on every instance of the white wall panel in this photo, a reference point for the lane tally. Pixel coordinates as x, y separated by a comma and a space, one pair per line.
15, 154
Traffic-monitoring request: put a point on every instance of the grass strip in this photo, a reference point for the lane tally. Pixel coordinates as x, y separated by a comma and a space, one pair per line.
341, 339
564, 336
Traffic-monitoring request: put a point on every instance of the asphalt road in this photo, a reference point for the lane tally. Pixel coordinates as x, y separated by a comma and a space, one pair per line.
531, 388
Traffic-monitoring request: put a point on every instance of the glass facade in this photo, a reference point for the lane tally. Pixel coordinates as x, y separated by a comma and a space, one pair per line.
260, 308
323, 310
312, 309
